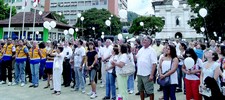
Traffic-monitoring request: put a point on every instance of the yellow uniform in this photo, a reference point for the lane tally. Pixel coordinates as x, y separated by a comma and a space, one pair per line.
21, 54
34, 56
7, 52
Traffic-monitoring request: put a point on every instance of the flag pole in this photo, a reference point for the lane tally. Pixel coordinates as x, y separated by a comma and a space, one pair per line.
10, 17
35, 10
24, 14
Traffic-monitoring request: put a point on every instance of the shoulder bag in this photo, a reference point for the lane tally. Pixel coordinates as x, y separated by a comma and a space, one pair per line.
128, 69
165, 81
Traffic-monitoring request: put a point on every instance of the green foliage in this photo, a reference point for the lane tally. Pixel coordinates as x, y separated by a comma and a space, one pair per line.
60, 18
131, 16
151, 25
5, 10
96, 18
215, 19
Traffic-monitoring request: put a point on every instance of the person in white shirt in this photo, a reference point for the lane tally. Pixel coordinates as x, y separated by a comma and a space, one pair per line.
78, 59
146, 65
192, 77
105, 55
67, 51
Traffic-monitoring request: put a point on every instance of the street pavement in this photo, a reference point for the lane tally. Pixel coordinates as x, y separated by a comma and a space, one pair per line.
26, 93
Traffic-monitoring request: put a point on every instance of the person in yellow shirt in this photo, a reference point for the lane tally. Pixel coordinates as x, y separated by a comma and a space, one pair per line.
35, 58
8, 51
43, 60
20, 63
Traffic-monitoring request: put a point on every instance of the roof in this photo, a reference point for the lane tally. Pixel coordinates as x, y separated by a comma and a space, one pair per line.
17, 20
166, 2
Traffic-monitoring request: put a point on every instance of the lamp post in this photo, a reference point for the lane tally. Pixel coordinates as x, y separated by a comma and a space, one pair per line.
142, 24
82, 19
108, 23
93, 28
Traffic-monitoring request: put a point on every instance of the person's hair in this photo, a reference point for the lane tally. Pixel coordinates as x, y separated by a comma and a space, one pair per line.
222, 49
173, 52
42, 45
60, 49
81, 42
128, 48
138, 41
54, 44
91, 43
183, 45
123, 48
192, 54
215, 56
203, 46
116, 50
150, 39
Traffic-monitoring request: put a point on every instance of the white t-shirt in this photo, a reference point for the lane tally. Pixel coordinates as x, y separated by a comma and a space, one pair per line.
112, 58
209, 71
122, 58
197, 66
106, 52
146, 57
166, 66
79, 53
67, 51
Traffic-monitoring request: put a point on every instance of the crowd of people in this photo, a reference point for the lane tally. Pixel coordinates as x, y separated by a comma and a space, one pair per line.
64, 63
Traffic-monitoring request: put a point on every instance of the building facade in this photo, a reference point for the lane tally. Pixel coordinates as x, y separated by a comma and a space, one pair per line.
19, 4
176, 20
70, 8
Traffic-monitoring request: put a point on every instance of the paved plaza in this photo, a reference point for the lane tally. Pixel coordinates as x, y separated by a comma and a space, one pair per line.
26, 93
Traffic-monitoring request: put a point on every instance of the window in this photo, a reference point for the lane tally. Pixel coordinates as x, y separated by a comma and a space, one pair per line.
87, 3
73, 3
80, 3
178, 21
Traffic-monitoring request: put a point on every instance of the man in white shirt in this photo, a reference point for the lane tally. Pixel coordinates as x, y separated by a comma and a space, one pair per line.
146, 65
67, 52
106, 53
78, 59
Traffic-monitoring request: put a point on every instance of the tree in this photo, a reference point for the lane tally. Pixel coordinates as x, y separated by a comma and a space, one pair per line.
215, 19
60, 18
96, 18
5, 10
131, 16
151, 25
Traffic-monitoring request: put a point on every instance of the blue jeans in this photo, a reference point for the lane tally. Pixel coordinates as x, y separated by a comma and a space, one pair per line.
110, 85
180, 75
35, 73
79, 79
130, 83
42, 66
20, 72
169, 92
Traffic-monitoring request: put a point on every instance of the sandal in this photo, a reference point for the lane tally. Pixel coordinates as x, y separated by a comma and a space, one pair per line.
58, 93
54, 92
47, 87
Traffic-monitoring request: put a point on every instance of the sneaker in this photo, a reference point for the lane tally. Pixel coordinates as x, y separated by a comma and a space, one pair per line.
106, 98
9, 83
83, 91
2, 82
90, 93
14, 84
94, 95
22, 85
102, 86
131, 92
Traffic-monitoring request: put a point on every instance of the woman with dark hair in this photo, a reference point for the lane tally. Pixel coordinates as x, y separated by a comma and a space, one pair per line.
92, 58
182, 48
110, 75
49, 63
210, 69
43, 59
192, 78
57, 70
167, 68
130, 81
120, 63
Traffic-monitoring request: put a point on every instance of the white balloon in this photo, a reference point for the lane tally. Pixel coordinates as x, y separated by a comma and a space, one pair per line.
46, 24
34, 4
65, 32
189, 63
202, 29
142, 23
176, 3
120, 36
40, 12
184, 5
82, 18
123, 13
49, 28
76, 29
53, 24
203, 12
71, 31
37, 32
107, 22
79, 15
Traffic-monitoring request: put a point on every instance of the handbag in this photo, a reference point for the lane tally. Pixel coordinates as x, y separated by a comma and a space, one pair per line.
128, 69
165, 81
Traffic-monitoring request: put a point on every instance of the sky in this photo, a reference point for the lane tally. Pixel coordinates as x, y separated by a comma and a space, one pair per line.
141, 7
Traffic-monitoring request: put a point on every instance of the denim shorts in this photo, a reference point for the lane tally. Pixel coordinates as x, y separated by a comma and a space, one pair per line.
92, 74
